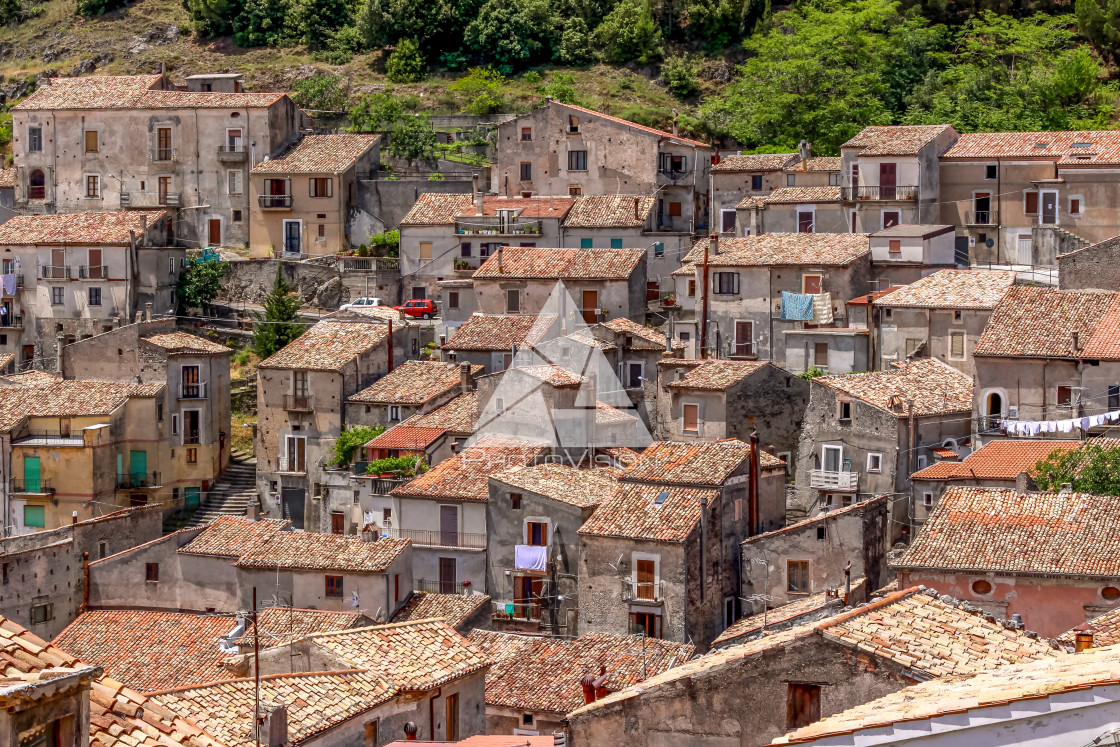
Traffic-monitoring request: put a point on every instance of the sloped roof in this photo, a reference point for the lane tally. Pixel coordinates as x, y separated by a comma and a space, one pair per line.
952, 289
794, 249
642, 337
895, 140
184, 342
459, 416
1095, 147
822, 518
233, 536
710, 374
697, 463
45, 397
320, 154
1040, 323
312, 551
413, 383
406, 437
466, 475
996, 460
453, 609
609, 211
810, 605
540, 263
8, 177
818, 163
585, 488
631, 125
535, 673
662, 513
1105, 629
500, 331
1067, 534
438, 209
328, 346
93, 229
739, 163
784, 195
937, 389
134, 92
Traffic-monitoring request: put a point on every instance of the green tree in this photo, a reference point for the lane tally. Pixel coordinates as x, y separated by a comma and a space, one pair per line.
371, 23
412, 138
561, 87
480, 91
199, 284
511, 32
276, 326
90, 8
681, 74
405, 64
211, 18
376, 112
629, 32
574, 45
352, 439
261, 23
1099, 21
314, 22
715, 23
1091, 468
320, 92
11, 11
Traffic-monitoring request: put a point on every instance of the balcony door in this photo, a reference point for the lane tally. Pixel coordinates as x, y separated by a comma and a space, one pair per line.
233, 139
448, 525
832, 458
888, 180
527, 592
163, 144
982, 208
138, 467
447, 577
32, 474
192, 429
293, 242
295, 453
645, 583
590, 303
1049, 214
191, 386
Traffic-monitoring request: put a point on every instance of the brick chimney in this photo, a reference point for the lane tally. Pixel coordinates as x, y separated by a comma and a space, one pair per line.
713, 244
805, 150
465, 377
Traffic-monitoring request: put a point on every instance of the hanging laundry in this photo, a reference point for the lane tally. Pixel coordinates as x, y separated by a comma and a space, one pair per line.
822, 308
797, 306
9, 283
530, 558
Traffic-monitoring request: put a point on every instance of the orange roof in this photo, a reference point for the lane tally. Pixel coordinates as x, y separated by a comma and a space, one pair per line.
814, 604
320, 154
109, 229
952, 289
895, 140
793, 249
784, 195
413, 383
540, 263
937, 389
712, 374
328, 346
232, 536
453, 609
996, 460
1066, 147
184, 342
818, 519
134, 92
466, 475
437, 209
1041, 323
406, 437
735, 163
698, 463
459, 416
662, 513
311, 551
609, 211
585, 488
500, 331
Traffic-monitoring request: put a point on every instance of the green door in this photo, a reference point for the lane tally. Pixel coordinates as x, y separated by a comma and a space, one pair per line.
32, 475
190, 497
138, 466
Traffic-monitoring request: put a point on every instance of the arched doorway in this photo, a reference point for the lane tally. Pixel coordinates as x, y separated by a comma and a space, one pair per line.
993, 410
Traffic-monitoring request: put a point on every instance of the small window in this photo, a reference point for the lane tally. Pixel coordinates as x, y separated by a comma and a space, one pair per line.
1030, 203
526, 133
536, 534
844, 410
102, 550
41, 613
674, 209
192, 455
888, 314
991, 171
820, 354
956, 346
91, 141
58, 296
1065, 396
394, 412
821, 532
958, 315
234, 182
577, 160
834, 179
321, 186
1110, 593
513, 301
874, 462
797, 576
526, 719
453, 299
94, 296
34, 139
691, 418
573, 124
981, 587
334, 586
93, 186
895, 246
322, 232
726, 283
1075, 206
515, 501
425, 250
691, 287
174, 423
151, 572
927, 500
35, 516
1114, 397
236, 216
922, 462
574, 190
803, 705
526, 171
790, 180
756, 182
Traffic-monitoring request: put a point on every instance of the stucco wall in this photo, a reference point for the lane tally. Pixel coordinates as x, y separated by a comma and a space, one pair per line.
1092, 268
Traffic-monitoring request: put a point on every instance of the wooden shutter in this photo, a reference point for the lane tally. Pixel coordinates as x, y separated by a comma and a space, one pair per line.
895, 246
956, 343
91, 141
425, 250
674, 209
691, 417
804, 705
820, 354
912, 345
1030, 203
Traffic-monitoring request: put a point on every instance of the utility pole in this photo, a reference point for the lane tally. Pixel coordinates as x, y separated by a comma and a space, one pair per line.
256, 675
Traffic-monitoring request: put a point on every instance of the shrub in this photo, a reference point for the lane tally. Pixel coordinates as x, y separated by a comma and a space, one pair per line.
629, 32
574, 46
435, 177
91, 8
481, 90
261, 23
352, 439
406, 466
321, 92
532, 77
405, 64
681, 75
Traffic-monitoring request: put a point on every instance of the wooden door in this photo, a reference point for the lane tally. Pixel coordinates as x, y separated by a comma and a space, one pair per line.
95, 272
58, 264
1050, 208
744, 338
645, 583
163, 144
338, 524
215, 232
452, 718
804, 705
164, 185
447, 575
888, 180
590, 303
138, 467
448, 525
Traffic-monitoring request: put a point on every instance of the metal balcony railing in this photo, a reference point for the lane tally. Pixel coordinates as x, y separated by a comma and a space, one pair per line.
475, 226
11, 321
674, 174
297, 402
517, 611
650, 592
989, 424
275, 202
93, 272
231, 153
292, 465
149, 199
55, 272
32, 486
432, 538
981, 218
137, 480
370, 264
161, 154
196, 390
888, 193
440, 587
828, 480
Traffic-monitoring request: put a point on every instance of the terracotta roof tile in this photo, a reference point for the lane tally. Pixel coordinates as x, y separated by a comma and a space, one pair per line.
779, 616
413, 383
436, 209
44, 397
1101, 146
319, 154
453, 609
233, 536
696, 463
952, 289
540, 263
819, 163
466, 475
534, 673
1072, 534
914, 230
493, 740
312, 551
609, 211
755, 162
8, 177
557, 376
784, 195
585, 488
662, 513
184, 342
406, 437
459, 416
896, 140
819, 518
328, 346
500, 331
937, 389
711, 374
134, 92
607, 415
110, 229
795, 249
1105, 342
642, 337
996, 460
1105, 629
1040, 323
632, 125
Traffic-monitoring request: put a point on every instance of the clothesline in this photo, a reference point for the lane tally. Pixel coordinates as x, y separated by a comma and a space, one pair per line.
807, 307
1034, 427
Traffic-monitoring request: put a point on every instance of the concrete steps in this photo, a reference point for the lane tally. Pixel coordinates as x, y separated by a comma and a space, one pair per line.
231, 495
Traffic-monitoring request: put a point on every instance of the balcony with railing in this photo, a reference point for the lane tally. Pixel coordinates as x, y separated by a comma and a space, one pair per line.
11, 321
517, 611
54, 272
138, 481
881, 193
274, 202
646, 592
673, 175
31, 486
981, 218
989, 424
441, 587
93, 272
369, 264
195, 390
162, 155
499, 226
294, 466
824, 479
231, 153
150, 199
298, 402
433, 538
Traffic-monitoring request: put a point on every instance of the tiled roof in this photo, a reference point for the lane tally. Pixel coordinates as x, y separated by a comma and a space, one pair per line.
328, 346
8, 177
110, 229
696, 463
540, 263
1072, 534
535, 673
631, 125
134, 92
607, 415
406, 437
996, 460
45, 397
1040, 323
493, 740
184, 342
779, 616
954, 697
466, 475
1105, 629
453, 609
417, 655
557, 376
1096, 147
643, 337
311, 551
585, 488
155, 650
755, 162
952, 289
819, 163
435, 209
233, 536
818, 519
913, 231
662, 513
609, 211
459, 416
712, 374
861, 299
500, 331
315, 702
814, 249
1105, 342
319, 154
784, 195
413, 383
895, 140
937, 389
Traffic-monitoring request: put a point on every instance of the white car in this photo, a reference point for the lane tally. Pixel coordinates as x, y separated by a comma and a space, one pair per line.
361, 303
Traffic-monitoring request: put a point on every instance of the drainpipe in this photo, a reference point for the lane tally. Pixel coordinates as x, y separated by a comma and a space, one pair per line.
390, 339
872, 364
432, 714
752, 487
910, 455
85, 584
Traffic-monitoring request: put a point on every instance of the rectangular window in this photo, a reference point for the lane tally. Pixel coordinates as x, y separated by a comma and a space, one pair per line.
1065, 396
526, 133
163, 144
727, 221
371, 732
425, 250
744, 338
912, 345
91, 141
334, 586
321, 186
94, 296
192, 456
1030, 203
756, 181
803, 705
465, 249
34, 139
646, 624
805, 221
635, 374
586, 243
575, 190
691, 287
174, 424
577, 160
874, 462
536, 534
797, 576
452, 729
35, 516
844, 410
513, 301
790, 180
834, 179
394, 412
573, 124
616, 243
894, 246
726, 283
322, 232
515, 501
956, 346
93, 186
691, 418
820, 354
236, 217
151, 572
1114, 397
453, 299
991, 171
41, 613
58, 296
1075, 206
526, 171
234, 178
927, 500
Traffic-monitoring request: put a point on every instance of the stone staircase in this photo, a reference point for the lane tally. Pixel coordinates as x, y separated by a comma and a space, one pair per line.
233, 492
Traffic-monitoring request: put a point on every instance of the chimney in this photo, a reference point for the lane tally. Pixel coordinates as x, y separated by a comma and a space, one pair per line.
273, 725
1024, 483
74, 518
61, 345
675, 115
713, 244
805, 151
1082, 637
588, 684
477, 202
637, 216
500, 259
465, 377
410, 731
1075, 343
147, 312
716, 157
474, 187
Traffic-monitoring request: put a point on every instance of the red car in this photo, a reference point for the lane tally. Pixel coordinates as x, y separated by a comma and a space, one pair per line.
424, 308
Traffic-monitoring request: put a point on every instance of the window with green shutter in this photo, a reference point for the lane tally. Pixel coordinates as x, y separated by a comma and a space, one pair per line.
35, 516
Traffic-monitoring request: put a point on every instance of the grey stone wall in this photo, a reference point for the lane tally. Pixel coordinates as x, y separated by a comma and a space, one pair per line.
1095, 267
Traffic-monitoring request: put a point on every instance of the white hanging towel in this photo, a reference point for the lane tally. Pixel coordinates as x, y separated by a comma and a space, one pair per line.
822, 308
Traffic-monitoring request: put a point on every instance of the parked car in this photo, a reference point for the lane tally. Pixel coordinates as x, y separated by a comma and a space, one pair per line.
362, 303
423, 308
